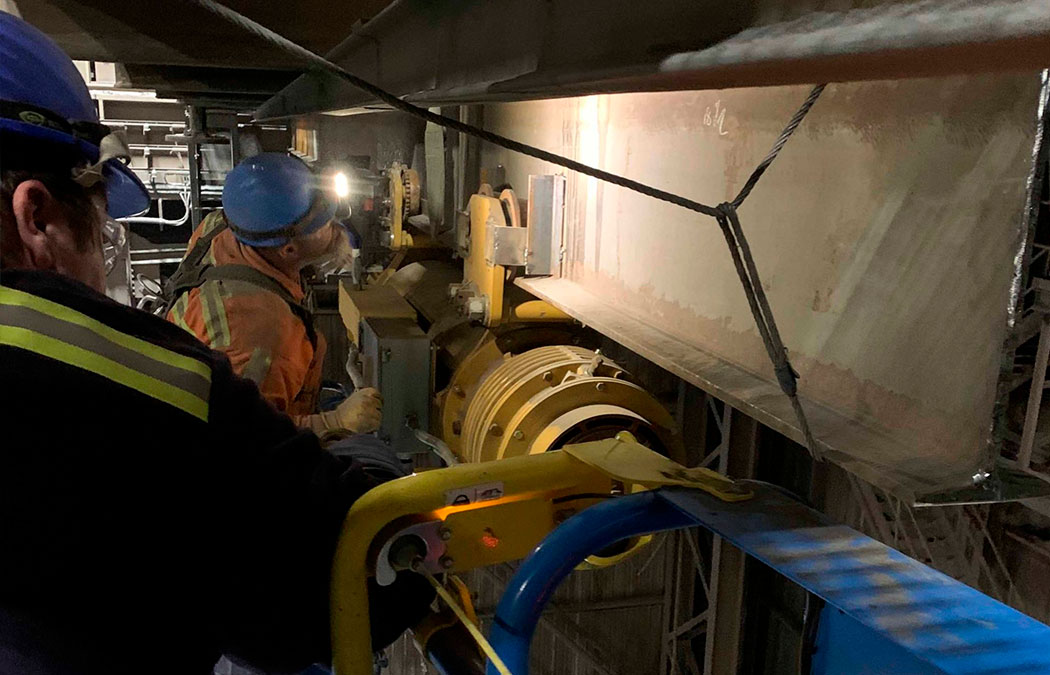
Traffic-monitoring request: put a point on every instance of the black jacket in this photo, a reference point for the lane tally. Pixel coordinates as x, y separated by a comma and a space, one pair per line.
155, 511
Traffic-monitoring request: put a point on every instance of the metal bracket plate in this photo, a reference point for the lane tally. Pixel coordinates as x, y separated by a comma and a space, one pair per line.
1006, 483
545, 220
430, 533
506, 246
628, 461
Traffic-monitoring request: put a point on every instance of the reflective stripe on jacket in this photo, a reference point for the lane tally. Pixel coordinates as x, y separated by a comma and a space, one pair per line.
153, 508
52, 330
263, 339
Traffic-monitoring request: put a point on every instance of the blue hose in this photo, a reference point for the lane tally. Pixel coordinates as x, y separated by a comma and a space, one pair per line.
558, 555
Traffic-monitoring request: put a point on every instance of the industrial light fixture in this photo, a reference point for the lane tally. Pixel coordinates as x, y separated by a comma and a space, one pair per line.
342, 185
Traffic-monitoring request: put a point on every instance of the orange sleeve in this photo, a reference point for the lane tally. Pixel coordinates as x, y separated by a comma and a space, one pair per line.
269, 346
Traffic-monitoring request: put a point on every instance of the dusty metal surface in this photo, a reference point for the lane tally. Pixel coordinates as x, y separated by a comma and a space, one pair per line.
886, 234
756, 396
501, 50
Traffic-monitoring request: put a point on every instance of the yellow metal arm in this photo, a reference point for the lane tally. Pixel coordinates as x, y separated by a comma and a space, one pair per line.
483, 514
510, 491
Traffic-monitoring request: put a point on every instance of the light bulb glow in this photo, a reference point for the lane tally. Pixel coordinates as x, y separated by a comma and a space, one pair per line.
342, 185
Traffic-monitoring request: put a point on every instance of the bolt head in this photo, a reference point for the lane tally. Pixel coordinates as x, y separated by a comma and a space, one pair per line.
600, 386
518, 435
447, 562
476, 308
445, 534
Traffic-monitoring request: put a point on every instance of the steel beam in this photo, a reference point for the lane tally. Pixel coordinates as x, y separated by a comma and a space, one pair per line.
938, 624
587, 606
1035, 396
683, 584
196, 127
184, 34
203, 80
725, 614
500, 50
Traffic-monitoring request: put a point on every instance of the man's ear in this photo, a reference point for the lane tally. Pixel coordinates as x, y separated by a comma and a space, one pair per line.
289, 251
37, 214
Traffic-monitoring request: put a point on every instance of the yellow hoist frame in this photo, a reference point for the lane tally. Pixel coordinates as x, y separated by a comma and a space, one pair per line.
475, 515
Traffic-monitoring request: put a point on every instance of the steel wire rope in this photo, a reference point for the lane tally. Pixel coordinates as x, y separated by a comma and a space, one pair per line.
724, 214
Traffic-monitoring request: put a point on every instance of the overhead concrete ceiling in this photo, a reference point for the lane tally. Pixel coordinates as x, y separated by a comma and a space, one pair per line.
183, 51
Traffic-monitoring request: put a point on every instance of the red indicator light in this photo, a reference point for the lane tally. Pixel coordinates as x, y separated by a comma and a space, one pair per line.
489, 539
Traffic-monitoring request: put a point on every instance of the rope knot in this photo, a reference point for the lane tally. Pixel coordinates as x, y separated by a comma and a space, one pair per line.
726, 209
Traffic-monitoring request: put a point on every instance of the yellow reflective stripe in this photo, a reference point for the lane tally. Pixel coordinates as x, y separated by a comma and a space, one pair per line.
214, 312
117, 372
210, 222
16, 298
178, 314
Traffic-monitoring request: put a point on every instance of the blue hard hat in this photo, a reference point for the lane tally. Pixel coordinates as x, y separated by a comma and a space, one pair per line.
272, 197
43, 96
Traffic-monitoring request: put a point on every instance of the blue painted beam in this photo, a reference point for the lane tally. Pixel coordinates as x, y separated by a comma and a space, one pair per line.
886, 613
943, 624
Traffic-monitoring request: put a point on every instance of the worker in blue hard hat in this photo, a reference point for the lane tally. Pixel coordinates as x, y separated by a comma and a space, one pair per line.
45, 103
239, 288
154, 508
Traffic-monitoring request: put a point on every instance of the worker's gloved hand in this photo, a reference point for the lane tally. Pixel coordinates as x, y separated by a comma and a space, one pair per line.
361, 413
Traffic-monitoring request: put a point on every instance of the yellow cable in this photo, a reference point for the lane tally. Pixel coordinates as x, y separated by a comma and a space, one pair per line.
475, 632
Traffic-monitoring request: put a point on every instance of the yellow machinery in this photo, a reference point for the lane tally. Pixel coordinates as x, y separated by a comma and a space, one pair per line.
480, 514
496, 382
501, 405
404, 202
503, 397
496, 241
514, 387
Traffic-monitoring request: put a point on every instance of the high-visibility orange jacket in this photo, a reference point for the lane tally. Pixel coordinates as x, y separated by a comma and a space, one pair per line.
265, 341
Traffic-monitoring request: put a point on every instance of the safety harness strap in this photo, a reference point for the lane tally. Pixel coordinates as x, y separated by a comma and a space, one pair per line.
187, 276
60, 333
192, 274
